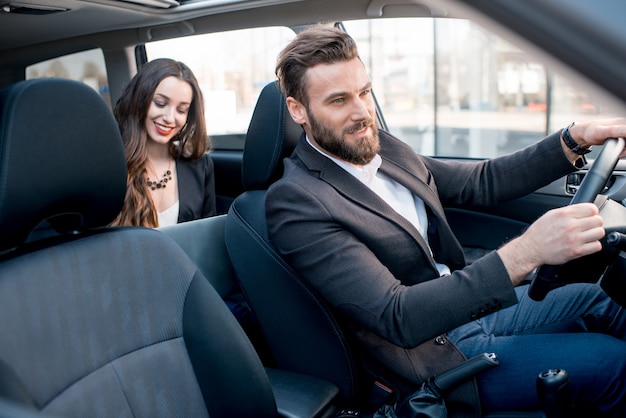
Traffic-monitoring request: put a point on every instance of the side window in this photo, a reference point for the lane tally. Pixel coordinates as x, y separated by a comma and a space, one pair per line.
87, 66
449, 88
232, 68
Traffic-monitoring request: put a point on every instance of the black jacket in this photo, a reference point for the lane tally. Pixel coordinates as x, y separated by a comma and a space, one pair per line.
196, 188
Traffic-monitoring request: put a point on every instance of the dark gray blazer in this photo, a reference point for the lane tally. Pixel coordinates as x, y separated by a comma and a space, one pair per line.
372, 265
196, 188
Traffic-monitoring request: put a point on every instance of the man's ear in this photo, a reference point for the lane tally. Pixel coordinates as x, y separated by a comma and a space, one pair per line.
296, 110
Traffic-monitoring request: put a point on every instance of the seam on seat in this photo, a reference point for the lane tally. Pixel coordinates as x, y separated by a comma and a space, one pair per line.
120, 383
110, 362
277, 150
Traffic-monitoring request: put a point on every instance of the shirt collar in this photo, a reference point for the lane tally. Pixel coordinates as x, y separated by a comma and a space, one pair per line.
365, 174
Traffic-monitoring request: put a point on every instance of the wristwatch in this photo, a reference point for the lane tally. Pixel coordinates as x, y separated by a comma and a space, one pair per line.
571, 144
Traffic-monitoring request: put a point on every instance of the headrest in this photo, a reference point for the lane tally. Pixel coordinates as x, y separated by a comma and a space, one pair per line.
61, 157
272, 136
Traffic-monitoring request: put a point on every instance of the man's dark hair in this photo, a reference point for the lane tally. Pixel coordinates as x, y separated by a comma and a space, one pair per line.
320, 44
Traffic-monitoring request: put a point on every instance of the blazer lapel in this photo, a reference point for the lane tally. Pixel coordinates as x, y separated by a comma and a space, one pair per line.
408, 172
352, 189
399, 162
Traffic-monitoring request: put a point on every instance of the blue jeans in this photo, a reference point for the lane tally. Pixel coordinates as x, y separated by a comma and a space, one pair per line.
577, 328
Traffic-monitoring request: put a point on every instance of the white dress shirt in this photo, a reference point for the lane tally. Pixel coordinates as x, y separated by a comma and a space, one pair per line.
410, 206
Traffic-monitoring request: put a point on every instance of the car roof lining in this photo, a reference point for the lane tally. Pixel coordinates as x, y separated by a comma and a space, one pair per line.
129, 27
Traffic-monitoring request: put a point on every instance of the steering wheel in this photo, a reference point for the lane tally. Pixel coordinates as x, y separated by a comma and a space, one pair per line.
547, 276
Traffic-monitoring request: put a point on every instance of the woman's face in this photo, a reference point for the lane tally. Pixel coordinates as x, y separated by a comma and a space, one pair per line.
168, 110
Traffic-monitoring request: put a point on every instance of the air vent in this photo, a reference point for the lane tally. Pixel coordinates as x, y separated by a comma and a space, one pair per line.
29, 9
161, 4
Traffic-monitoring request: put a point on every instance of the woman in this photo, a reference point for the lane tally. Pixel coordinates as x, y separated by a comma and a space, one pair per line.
170, 174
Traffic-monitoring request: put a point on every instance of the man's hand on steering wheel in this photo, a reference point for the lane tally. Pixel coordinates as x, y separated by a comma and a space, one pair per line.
587, 134
575, 139
560, 235
566, 233
569, 233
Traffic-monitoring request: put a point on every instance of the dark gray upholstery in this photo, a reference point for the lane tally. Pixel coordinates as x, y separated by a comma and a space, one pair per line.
45, 128
299, 328
203, 241
272, 135
297, 395
103, 321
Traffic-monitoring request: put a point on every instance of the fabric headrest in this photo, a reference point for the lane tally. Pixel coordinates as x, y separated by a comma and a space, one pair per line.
61, 157
272, 136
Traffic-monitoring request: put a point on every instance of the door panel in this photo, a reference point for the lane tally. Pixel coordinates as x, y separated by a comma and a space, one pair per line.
486, 230
228, 184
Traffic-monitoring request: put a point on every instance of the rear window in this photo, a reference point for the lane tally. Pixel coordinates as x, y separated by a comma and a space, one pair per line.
231, 68
87, 66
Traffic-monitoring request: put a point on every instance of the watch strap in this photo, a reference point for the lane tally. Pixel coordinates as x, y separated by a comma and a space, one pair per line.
571, 144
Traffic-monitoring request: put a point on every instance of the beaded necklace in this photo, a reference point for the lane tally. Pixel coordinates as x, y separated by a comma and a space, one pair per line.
161, 184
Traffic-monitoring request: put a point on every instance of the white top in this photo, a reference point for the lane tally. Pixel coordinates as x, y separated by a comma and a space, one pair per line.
169, 216
410, 206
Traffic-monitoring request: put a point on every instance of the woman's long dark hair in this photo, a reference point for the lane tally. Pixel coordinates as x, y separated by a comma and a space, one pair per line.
131, 111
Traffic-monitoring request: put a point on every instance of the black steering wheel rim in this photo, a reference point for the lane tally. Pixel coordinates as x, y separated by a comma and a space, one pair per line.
593, 183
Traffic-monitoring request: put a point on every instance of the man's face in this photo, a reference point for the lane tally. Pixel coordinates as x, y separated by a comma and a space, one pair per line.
341, 114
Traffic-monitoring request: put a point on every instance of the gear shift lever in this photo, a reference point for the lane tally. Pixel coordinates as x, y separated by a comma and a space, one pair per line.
553, 391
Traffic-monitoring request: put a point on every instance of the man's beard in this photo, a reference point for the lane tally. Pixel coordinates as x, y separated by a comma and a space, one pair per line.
359, 153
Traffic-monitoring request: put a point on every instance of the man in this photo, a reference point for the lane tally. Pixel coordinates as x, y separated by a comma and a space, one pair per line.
360, 216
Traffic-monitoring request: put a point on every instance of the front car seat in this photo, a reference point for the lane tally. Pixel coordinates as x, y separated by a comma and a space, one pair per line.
300, 329
94, 320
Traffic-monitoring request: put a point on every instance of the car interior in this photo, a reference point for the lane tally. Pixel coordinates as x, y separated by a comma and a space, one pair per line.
182, 352
128, 321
